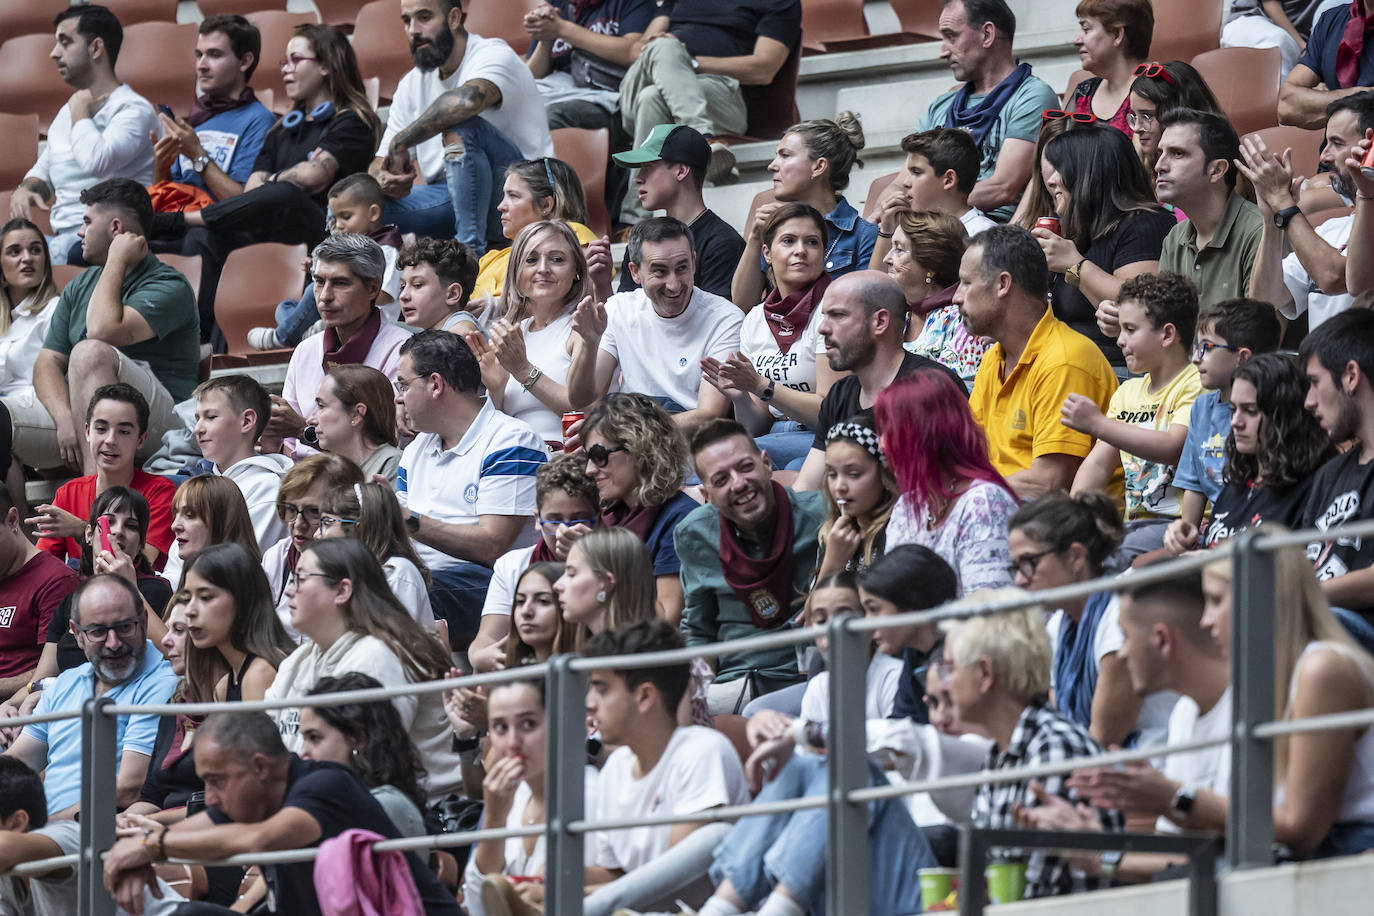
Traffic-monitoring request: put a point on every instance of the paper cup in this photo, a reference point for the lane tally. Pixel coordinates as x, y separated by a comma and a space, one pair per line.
1006, 882
936, 884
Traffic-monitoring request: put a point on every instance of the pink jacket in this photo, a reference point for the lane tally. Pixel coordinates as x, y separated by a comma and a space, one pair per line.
352, 880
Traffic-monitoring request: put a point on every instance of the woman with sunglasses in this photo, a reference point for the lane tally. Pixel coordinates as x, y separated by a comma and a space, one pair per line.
1111, 229
1058, 540
298, 506
1159, 89
1113, 38
371, 513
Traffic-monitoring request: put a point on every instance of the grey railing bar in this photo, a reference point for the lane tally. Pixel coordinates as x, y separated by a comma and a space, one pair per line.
36, 718
43, 866
1328, 722
1271, 542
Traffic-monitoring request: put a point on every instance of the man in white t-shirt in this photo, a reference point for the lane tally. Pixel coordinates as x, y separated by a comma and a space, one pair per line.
468, 110
657, 335
659, 768
467, 479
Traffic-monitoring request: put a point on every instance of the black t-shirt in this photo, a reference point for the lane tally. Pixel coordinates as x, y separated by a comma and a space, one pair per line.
338, 801
155, 590
842, 400
172, 786
718, 250
1342, 490
1138, 237
345, 136
728, 28
1241, 506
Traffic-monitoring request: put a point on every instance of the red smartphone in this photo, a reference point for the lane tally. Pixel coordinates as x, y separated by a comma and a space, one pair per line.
102, 525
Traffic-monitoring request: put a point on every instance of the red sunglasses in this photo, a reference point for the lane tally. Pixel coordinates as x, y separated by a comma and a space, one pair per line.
1153, 70
1057, 114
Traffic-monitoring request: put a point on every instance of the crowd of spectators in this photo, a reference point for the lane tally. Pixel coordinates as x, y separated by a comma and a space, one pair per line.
1079, 335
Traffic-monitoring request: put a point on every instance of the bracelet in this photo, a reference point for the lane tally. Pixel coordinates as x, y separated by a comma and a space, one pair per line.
886, 235
162, 844
535, 375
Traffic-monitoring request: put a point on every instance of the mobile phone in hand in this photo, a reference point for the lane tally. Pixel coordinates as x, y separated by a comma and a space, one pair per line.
163, 109
102, 525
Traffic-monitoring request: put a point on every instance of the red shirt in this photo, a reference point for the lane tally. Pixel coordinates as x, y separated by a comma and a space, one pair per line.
27, 601
77, 496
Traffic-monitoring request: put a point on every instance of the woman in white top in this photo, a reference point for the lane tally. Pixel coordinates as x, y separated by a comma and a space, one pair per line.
340, 603
369, 512
27, 296
775, 382
355, 418
525, 362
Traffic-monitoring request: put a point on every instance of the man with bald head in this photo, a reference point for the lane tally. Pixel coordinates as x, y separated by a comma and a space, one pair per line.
1035, 363
863, 320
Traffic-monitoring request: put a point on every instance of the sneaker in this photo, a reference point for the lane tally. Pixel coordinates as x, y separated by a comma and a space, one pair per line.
264, 339
721, 169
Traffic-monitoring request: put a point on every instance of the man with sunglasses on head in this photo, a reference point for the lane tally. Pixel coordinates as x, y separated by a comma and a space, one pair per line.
122, 664
999, 103
467, 481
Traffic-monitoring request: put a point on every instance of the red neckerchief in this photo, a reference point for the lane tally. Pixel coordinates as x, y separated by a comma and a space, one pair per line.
388, 235
181, 738
763, 584
355, 349
638, 522
543, 553
930, 303
787, 318
1351, 47
206, 107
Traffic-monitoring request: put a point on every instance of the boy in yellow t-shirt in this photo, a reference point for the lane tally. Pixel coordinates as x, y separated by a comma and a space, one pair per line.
1147, 421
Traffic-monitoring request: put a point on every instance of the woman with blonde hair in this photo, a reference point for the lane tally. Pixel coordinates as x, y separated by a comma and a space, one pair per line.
526, 358
812, 166
206, 510
371, 513
355, 418
636, 455
27, 297
535, 190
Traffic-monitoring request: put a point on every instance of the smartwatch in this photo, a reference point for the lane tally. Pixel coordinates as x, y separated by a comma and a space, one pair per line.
413, 522
199, 164
1109, 862
1183, 802
1285, 216
766, 394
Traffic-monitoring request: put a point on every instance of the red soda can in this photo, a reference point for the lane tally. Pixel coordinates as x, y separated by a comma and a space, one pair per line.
569, 419
1367, 164
1048, 222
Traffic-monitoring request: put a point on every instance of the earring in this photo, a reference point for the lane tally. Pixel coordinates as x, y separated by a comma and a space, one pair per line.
601, 597
355, 752
930, 278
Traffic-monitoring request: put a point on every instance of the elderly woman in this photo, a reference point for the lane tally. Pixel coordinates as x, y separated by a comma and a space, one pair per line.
1113, 39
997, 671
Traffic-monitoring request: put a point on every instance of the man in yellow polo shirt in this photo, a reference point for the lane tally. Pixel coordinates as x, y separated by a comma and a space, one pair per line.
1035, 363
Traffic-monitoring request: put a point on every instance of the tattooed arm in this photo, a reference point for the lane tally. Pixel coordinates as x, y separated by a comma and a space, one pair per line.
453, 107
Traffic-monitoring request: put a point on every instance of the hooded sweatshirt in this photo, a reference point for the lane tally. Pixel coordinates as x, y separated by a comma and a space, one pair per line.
259, 477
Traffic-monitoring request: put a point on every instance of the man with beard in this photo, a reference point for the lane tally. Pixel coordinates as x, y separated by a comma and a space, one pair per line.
1339, 360
863, 320
747, 557
468, 110
102, 131
1312, 278
1036, 361
122, 664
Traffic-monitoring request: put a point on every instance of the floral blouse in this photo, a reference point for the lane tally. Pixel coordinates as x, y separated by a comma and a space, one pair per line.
945, 340
972, 539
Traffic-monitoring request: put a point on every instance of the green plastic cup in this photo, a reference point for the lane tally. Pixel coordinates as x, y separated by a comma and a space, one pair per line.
1006, 882
936, 884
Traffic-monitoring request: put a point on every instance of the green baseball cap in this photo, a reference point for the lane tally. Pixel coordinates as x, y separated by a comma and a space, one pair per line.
669, 143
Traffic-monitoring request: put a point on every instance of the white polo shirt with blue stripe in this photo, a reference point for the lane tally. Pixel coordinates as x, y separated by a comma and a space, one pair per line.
490, 471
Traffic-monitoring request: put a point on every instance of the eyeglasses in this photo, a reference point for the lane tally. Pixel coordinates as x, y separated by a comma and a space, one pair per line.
289, 512
1153, 70
599, 455
1203, 347
403, 383
1026, 565
1139, 119
1059, 114
294, 580
329, 521
567, 522
123, 629
294, 61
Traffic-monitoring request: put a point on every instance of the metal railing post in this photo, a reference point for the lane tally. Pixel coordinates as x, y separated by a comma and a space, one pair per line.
98, 762
1250, 817
846, 860
567, 754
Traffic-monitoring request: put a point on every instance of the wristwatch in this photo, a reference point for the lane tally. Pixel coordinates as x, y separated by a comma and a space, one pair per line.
1071, 276
1183, 802
200, 163
1109, 862
413, 522
1283, 217
766, 394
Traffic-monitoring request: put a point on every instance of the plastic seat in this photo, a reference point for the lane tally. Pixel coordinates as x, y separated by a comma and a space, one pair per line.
875, 195
28, 17
761, 198
20, 150
919, 20
130, 12
255, 279
1186, 28
504, 19
828, 21
586, 151
159, 61
210, 8
772, 108
1306, 145
1077, 77
1246, 84
277, 28
339, 13
187, 265
30, 78
379, 42
62, 274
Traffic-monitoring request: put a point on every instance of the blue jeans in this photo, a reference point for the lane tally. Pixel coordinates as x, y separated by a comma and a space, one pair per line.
789, 849
1356, 626
786, 442
426, 211
456, 593
296, 316
475, 178
1345, 839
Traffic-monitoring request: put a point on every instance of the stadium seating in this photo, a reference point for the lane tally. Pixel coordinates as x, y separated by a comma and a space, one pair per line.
586, 151
30, 78
339, 13
187, 265
20, 149
255, 279
1306, 146
241, 7
504, 19
380, 44
831, 21
158, 60
1246, 84
277, 27
62, 274
875, 195
1077, 77
25, 17
131, 12
1186, 28
773, 108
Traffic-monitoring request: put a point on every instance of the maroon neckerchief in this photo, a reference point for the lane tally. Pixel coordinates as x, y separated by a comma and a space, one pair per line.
638, 522
1351, 47
543, 553
763, 584
355, 350
181, 738
930, 303
388, 235
787, 318
206, 107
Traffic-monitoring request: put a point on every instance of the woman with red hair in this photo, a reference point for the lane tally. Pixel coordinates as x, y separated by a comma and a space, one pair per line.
953, 500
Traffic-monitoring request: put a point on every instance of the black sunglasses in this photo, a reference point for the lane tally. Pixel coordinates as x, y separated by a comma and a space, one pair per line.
599, 455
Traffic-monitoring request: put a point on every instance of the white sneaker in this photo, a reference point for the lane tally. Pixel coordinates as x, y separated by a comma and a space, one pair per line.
264, 339
721, 169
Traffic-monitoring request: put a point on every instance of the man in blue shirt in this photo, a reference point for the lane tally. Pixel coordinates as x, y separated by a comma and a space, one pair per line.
109, 622
1324, 74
